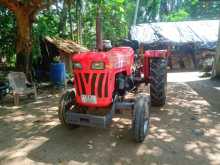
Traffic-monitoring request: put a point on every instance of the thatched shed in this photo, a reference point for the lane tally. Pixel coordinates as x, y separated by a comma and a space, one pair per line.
52, 47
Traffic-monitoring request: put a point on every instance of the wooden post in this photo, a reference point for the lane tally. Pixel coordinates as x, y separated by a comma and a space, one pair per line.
16, 99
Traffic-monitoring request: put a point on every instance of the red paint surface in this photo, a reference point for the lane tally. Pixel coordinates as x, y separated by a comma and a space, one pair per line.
116, 60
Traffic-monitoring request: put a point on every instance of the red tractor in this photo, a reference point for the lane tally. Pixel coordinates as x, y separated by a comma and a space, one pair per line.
102, 79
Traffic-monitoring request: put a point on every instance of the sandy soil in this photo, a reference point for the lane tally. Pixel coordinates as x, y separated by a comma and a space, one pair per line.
185, 131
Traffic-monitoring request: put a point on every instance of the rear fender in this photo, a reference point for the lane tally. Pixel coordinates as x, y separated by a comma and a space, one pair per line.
152, 54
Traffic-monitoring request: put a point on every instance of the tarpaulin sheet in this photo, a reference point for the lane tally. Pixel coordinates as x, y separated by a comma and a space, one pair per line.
176, 32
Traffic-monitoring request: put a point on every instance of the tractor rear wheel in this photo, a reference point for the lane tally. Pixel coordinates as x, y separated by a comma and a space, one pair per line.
67, 101
141, 119
158, 81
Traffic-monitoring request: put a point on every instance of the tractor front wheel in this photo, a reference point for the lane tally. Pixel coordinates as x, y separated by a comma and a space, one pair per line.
67, 102
158, 81
141, 119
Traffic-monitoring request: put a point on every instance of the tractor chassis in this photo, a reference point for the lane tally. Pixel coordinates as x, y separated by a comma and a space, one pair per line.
121, 73
98, 121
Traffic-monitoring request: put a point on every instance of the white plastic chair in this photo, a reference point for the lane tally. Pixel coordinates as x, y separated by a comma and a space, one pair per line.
18, 82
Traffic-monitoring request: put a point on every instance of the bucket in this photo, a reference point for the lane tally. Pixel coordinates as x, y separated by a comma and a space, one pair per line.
57, 74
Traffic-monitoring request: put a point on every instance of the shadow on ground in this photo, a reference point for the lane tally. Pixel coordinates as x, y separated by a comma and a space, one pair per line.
185, 131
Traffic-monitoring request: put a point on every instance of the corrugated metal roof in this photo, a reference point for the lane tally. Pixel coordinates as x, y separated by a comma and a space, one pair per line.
177, 32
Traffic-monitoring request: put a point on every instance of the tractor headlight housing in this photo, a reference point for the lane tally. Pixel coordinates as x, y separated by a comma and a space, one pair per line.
98, 65
77, 65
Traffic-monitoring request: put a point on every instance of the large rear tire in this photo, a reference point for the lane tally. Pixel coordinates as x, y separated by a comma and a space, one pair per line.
67, 101
158, 81
141, 119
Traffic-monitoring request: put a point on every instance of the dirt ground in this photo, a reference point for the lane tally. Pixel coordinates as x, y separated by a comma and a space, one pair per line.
184, 132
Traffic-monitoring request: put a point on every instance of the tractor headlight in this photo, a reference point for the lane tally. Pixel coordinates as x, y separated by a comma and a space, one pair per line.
98, 65
77, 65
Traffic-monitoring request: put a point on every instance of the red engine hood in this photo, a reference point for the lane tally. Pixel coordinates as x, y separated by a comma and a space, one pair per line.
90, 56
116, 56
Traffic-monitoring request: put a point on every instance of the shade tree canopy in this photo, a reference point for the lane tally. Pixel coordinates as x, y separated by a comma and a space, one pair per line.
25, 22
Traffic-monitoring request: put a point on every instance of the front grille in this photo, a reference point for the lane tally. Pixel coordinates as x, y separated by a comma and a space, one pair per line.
100, 85
106, 87
93, 84
77, 84
87, 77
88, 81
82, 84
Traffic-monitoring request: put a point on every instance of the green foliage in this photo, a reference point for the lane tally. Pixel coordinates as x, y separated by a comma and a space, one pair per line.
195, 10
178, 10
178, 16
46, 25
117, 17
203, 9
7, 35
114, 20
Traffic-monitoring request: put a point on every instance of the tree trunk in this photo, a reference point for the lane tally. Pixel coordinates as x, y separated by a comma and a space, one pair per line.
216, 66
78, 21
81, 29
136, 12
25, 15
24, 42
63, 18
99, 44
70, 21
